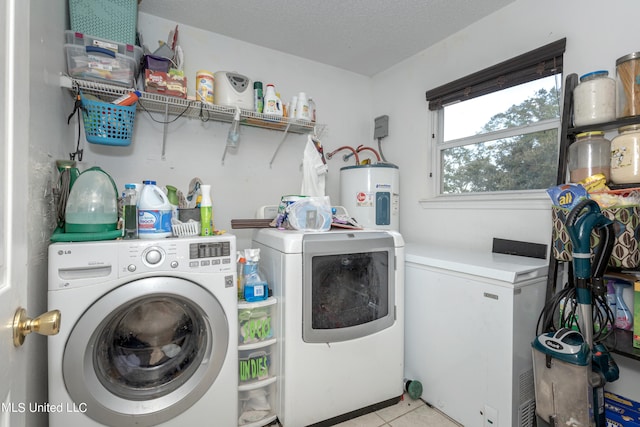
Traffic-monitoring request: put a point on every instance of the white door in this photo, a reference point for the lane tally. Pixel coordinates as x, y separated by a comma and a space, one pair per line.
14, 63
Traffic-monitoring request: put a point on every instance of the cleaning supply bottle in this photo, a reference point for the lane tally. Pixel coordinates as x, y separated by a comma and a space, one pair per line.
206, 211
272, 104
154, 212
258, 99
130, 214
241, 261
624, 318
172, 195
255, 287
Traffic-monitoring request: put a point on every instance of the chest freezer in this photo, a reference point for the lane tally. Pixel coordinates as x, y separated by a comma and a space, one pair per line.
470, 318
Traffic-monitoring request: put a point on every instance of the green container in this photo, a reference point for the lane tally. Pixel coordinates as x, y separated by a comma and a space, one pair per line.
110, 19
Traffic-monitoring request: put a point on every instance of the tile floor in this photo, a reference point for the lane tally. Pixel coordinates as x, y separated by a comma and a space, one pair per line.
406, 413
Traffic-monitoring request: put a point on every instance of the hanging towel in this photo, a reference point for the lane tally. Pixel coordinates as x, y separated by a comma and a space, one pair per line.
314, 169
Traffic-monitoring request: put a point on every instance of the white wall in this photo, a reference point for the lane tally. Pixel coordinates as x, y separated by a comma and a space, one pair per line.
593, 43
195, 149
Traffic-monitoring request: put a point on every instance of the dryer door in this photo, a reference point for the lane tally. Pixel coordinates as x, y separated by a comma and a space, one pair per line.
146, 351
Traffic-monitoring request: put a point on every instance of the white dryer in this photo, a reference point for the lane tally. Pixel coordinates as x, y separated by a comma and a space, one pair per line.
341, 321
148, 333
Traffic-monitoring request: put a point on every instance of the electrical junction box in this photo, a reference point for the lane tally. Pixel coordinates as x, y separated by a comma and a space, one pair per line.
381, 128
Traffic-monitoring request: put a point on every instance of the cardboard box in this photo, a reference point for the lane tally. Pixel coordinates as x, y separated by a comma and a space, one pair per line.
165, 83
636, 315
621, 411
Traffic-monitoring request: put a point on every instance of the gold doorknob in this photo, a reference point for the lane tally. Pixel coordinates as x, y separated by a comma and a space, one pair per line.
46, 324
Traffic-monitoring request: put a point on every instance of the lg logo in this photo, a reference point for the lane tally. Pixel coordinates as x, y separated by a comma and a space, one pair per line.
64, 252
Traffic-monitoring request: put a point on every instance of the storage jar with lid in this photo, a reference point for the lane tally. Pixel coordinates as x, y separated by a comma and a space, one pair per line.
588, 155
628, 76
594, 99
625, 155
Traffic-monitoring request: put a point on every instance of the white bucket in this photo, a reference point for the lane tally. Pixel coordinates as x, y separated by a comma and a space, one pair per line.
154, 213
371, 195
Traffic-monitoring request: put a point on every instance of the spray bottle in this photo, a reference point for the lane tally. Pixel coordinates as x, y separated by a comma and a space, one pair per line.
255, 287
206, 211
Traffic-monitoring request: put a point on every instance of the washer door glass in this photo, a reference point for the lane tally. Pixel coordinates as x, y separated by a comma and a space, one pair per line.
150, 347
146, 351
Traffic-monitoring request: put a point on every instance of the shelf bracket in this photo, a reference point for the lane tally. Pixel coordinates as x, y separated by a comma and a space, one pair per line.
284, 136
165, 129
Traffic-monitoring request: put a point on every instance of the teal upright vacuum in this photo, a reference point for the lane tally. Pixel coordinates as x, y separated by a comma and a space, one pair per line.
570, 366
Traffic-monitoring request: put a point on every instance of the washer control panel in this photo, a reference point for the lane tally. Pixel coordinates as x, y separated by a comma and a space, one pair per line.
197, 254
78, 264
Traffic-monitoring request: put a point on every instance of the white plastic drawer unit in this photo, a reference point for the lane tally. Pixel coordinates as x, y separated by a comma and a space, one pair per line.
470, 319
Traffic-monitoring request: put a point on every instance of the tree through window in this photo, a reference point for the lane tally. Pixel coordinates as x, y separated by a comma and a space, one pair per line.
498, 128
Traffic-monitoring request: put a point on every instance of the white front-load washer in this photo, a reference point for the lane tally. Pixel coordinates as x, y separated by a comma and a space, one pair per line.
148, 332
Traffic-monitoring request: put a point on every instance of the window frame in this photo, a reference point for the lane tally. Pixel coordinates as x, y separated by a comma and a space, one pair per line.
542, 62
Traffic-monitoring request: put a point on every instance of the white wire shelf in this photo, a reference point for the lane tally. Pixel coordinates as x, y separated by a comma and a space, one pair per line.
190, 108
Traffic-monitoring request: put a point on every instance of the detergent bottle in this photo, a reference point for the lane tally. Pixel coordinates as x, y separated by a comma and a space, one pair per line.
624, 318
154, 212
272, 104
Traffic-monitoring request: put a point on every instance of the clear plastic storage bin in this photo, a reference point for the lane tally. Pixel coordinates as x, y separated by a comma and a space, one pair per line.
255, 364
256, 321
104, 61
256, 403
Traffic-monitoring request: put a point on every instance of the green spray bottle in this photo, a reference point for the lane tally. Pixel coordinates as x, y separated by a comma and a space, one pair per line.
206, 211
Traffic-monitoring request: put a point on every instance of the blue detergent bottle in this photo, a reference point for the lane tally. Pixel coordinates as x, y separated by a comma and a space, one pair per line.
255, 287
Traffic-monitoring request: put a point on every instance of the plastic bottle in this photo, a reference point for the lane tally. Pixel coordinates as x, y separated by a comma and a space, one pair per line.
312, 110
241, 261
130, 214
292, 107
272, 104
255, 287
258, 98
127, 99
206, 211
624, 318
172, 195
154, 212
302, 107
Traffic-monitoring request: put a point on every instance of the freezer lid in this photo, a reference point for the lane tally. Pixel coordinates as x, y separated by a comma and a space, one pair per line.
501, 267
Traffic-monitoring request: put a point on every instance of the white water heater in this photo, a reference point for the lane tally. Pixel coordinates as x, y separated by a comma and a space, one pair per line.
371, 195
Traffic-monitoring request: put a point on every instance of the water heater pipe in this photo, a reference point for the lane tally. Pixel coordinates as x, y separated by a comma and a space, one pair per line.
344, 147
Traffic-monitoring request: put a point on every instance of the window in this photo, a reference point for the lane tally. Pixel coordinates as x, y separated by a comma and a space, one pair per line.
497, 129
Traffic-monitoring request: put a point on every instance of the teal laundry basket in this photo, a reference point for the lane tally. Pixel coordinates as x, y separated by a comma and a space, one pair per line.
115, 20
106, 123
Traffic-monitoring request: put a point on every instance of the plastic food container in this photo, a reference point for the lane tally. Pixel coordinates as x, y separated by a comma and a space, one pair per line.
625, 155
628, 76
588, 155
594, 99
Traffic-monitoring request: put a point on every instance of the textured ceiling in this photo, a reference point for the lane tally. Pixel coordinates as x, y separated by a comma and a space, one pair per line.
363, 36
